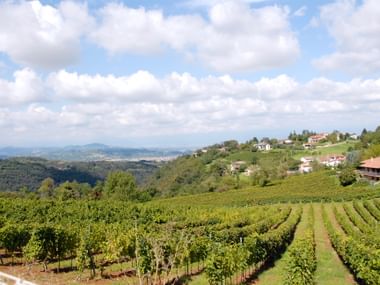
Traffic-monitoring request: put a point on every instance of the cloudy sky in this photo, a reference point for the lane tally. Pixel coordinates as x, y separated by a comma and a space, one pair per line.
185, 73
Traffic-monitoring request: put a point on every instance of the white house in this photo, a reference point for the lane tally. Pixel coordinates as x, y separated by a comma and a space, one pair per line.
305, 167
263, 146
307, 159
332, 160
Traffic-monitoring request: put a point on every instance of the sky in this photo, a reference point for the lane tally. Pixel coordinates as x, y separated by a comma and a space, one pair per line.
185, 73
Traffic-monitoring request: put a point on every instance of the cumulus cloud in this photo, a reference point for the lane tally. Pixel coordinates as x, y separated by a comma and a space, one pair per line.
355, 28
142, 105
40, 35
234, 37
26, 87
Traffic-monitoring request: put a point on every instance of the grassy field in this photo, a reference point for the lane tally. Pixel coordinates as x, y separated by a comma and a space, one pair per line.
338, 148
317, 186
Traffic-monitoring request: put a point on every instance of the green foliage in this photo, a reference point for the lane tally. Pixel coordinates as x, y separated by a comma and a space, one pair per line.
347, 176
30, 172
46, 189
301, 262
14, 237
120, 185
90, 241
364, 261
48, 243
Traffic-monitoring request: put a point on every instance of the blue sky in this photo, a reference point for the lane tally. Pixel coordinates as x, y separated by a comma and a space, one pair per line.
185, 73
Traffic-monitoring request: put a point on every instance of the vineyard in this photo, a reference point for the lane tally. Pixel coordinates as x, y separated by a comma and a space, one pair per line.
236, 237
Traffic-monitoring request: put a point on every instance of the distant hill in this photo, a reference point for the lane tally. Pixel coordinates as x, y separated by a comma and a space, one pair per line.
26, 171
209, 170
93, 152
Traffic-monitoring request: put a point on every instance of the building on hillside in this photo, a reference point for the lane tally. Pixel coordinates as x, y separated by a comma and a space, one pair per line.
285, 141
263, 146
305, 166
308, 146
354, 136
370, 169
332, 160
307, 159
316, 138
237, 165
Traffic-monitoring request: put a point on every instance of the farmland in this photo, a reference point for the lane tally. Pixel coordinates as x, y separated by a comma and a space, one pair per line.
232, 237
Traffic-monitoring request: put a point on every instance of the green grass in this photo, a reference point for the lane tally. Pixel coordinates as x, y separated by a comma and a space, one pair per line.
264, 159
311, 187
339, 148
330, 270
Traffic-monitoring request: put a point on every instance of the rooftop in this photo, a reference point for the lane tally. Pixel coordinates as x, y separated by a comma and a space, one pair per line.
371, 163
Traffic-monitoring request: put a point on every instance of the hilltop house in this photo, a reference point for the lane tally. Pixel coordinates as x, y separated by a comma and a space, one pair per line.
316, 138
370, 169
263, 146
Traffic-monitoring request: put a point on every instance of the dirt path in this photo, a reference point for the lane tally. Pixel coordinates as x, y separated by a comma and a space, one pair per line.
330, 269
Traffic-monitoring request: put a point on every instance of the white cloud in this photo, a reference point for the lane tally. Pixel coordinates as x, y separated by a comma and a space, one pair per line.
42, 36
235, 37
355, 28
300, 12
208, 3
93, 107
27, 87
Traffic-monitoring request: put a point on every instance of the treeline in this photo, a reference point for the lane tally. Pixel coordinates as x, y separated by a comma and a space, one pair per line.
118, 185
28, 173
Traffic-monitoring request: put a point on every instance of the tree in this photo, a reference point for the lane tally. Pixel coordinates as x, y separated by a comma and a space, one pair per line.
89, 244
46, 188
13, 237
120, 185
347, 176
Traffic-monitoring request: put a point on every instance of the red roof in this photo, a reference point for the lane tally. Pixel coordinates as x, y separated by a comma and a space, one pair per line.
371, 163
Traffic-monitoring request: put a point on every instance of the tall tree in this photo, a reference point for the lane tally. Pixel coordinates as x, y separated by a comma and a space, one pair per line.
120, 185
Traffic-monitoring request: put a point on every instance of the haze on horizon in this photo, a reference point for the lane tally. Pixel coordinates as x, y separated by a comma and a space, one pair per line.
185, 73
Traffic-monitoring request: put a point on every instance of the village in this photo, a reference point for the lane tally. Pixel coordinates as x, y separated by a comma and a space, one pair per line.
309, 152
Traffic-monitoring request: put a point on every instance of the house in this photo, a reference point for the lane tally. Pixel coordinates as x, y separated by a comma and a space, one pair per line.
307, 146
370, 169
237, 165
316, 138
285, 141
332, 160
305, 166
263, 146
354, 136
307, 159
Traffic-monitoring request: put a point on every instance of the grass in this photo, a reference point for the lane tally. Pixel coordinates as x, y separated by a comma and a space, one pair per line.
338, 148
264, 159
311, 187
330, 269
